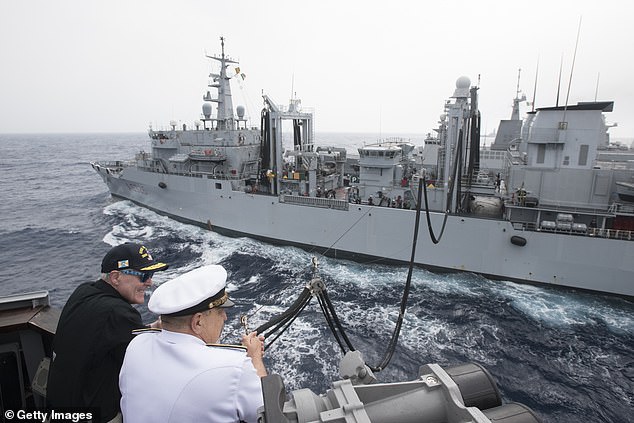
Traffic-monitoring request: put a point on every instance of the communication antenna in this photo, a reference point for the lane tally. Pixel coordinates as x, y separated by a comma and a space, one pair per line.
596, 90
292, 86
572, 68
535, 86
561, 65
517, 90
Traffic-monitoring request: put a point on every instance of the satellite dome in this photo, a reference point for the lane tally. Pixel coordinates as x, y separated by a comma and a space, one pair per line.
462, 87
463, 82
207, 110
240, 111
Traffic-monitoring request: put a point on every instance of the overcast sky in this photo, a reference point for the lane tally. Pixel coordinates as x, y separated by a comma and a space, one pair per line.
380, 67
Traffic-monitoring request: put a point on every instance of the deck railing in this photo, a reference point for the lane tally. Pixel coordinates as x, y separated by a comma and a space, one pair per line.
327, 203
621, 234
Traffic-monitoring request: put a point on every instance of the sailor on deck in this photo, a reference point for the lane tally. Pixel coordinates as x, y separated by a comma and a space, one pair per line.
95, 328
179, 374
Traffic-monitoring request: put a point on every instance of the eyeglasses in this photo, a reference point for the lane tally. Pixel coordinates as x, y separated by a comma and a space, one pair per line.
143, 275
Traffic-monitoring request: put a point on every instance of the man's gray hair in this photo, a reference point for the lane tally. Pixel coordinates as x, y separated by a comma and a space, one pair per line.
175, 322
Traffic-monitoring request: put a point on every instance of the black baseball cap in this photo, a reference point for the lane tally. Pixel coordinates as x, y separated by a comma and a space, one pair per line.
130, 256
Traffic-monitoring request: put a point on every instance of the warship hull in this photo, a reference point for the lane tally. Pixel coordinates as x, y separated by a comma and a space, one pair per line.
481, 245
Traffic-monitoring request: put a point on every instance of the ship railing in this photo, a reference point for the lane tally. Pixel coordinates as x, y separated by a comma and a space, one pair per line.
326, 203
567, 208
112, 167
211, 175
612, 233
620, 208
156, 166
621, 234
115, 164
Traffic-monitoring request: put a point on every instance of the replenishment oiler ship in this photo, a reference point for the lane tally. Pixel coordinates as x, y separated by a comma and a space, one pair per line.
553, 213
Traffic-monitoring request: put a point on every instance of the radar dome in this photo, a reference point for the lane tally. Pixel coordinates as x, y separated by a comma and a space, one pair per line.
207, 110
463, 82
240, 111
462, 87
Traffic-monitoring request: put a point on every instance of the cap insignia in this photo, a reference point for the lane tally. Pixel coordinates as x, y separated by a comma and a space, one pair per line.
145, 253
220, 301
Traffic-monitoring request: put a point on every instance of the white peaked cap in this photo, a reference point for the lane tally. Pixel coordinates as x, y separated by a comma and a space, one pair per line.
192, 292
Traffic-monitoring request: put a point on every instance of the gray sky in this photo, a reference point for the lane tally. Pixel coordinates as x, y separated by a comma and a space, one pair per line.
118, 65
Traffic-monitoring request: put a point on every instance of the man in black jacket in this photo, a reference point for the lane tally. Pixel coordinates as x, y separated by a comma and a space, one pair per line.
94, 330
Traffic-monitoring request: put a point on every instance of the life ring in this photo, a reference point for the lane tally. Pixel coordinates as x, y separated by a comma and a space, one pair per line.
241, 139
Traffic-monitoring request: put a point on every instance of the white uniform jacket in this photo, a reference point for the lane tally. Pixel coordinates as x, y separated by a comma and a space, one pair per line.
174, 377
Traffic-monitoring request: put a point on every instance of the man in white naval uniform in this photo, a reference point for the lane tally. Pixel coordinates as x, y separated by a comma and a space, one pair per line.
178, 374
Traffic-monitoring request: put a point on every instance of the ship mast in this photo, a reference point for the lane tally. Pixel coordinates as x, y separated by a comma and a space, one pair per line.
224, 117
515, 114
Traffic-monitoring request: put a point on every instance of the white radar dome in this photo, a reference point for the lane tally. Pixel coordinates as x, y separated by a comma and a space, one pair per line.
463, 82
462, 87
240, 111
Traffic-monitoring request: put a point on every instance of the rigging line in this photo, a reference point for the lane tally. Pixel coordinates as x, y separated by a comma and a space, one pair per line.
281, 323
330, 323
401, 315
337, 322
429, 225
348, 230
453, 174
303, 298
449, 198
289, 323
289, 316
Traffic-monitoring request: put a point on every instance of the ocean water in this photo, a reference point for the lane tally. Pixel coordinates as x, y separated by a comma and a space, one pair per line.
567, 355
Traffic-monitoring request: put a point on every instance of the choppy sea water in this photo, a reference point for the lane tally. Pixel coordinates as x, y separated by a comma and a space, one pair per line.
567, 355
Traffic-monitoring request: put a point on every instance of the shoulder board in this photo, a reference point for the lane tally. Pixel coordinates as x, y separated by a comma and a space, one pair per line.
145, 330
229, 346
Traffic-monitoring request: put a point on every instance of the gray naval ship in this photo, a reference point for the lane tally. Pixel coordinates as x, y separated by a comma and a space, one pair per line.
553, 213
